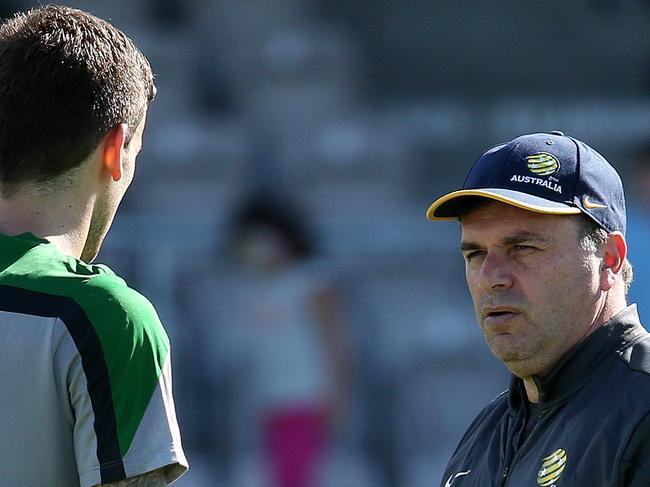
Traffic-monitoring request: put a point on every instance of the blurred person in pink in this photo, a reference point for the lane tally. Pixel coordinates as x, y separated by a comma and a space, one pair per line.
298, 364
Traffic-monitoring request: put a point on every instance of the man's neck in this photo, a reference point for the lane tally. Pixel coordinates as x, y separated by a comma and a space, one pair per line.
612, 303
61, 218
531, 390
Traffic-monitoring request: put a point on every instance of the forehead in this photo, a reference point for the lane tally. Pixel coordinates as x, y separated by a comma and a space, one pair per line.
494, 217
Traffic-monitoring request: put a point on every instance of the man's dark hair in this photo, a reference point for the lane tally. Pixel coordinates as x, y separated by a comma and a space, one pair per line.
268, 209
66, 79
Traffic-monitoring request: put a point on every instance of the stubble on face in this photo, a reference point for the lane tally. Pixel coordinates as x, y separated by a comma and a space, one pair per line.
100, 223
534, 288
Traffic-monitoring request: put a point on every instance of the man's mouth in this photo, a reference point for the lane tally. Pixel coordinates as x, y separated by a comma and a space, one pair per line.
498, 316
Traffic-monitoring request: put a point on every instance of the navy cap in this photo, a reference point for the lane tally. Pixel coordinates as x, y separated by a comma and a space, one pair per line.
545, 173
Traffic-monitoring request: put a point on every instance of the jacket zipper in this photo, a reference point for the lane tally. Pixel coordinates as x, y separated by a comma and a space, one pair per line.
503, 480
505, 475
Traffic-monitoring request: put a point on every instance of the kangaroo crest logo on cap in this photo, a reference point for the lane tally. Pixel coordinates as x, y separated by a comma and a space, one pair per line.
552, 468
542, 164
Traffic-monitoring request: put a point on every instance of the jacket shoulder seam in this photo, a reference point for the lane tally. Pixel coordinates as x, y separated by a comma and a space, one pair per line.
628, 362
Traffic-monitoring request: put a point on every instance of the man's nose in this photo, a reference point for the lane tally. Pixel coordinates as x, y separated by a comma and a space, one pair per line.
495, 272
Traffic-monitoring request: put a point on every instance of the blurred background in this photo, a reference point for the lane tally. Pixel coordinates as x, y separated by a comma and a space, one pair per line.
322, 332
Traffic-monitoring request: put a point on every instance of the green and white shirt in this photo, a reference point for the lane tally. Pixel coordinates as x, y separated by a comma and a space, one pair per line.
85, 376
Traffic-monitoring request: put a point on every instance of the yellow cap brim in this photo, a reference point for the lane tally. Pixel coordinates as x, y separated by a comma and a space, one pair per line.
514, 198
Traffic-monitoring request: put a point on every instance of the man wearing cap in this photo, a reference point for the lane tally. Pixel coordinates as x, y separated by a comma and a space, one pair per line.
543, 236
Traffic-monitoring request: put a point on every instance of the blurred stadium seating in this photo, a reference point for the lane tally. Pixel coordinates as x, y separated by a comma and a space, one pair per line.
362, 112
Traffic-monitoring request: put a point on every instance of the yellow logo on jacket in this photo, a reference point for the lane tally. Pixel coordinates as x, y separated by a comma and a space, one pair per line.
552, 467
543, 164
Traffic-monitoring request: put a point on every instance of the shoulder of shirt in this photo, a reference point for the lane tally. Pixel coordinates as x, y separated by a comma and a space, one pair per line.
115, 308
499, 403
106, 289
41, 267
491, 412
89, 284
637, 356
486, 420
109, 304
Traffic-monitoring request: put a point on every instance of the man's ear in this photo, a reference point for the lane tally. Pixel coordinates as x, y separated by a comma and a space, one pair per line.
613, 259
112, 150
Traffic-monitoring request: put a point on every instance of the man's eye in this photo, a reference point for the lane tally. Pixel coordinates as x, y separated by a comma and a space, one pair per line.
524, 247
474, 254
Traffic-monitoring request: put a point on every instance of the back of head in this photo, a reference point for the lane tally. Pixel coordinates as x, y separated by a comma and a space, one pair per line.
66, 79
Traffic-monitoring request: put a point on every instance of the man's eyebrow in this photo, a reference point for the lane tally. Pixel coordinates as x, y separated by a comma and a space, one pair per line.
509, 240
465, 246
524, 237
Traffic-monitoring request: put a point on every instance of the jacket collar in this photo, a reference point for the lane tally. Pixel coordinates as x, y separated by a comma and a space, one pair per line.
578, 365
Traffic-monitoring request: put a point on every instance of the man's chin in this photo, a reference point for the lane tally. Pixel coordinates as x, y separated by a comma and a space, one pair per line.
90, 252
517, 361
521, 366
507, 346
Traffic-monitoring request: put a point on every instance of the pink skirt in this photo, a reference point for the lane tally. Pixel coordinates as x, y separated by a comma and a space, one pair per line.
295, 442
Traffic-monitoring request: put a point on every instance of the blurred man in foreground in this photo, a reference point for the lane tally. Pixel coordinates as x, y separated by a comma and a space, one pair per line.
543, 236
84, 361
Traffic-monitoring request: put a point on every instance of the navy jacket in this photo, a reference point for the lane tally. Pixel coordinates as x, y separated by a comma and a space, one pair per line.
593, 428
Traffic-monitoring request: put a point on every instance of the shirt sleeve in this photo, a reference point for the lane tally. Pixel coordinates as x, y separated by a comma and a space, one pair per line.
635, 462
120, 387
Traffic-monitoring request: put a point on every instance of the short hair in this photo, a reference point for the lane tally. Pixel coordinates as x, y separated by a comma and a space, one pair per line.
593, 238
265, 208
66, 79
